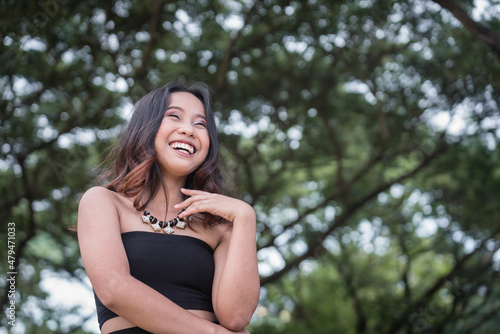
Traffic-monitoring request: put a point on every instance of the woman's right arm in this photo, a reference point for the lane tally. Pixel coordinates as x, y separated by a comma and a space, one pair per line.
106, 264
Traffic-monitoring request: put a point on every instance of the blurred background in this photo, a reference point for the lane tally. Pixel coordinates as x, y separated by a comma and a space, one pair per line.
364, 133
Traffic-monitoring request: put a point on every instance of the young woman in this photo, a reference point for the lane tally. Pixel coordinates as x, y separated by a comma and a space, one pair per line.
165, 251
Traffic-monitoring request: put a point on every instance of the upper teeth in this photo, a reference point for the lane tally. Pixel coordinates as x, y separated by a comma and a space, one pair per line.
184, 146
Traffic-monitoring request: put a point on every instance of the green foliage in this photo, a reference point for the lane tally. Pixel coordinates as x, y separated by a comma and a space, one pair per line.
364, 133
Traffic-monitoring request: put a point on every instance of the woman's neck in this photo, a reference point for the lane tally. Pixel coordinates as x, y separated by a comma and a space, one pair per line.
173, 195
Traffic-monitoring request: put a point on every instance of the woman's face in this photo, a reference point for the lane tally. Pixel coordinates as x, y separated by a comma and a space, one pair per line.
182, 141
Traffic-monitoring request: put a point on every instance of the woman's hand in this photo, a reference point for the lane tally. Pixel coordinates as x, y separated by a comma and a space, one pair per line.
216, 204
227, 331
236, 287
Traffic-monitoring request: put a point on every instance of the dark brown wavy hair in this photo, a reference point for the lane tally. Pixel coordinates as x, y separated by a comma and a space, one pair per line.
135, 171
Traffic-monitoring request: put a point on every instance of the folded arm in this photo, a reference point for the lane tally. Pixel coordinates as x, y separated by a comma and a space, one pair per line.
106, 264
236, 284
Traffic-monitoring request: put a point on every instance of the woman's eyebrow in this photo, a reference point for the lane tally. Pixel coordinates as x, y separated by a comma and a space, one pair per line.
175, 107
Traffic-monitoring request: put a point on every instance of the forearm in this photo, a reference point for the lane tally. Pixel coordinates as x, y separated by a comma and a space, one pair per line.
239, 287
236, 280
149, 310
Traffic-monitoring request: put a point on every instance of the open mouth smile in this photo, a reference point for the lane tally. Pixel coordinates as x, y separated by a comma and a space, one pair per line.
182, 147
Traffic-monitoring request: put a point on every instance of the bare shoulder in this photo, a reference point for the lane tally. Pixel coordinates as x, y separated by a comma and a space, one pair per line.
98, 196
98, 201
98, 193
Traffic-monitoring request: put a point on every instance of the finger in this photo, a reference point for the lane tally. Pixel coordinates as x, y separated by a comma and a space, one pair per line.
188, 201
184, 204
191, 192
197, 207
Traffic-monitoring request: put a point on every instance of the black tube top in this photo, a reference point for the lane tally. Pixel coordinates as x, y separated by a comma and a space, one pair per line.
179, 267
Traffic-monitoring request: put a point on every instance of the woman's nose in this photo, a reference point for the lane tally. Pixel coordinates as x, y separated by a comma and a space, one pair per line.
186, 129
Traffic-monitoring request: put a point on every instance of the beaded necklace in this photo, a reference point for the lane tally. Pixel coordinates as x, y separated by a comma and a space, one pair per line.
166, 227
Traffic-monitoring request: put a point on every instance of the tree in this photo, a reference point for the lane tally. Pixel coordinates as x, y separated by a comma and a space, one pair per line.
364, 134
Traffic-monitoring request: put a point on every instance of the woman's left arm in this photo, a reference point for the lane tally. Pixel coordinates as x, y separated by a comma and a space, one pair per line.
236, 285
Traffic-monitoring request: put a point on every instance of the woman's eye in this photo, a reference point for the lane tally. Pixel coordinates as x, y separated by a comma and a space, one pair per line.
201, 123
174, 116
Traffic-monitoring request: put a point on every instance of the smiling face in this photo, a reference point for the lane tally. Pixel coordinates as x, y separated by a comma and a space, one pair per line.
182, 141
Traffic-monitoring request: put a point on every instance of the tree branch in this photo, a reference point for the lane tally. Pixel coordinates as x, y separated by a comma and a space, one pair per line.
315, 246
224, 67
401, 320
477, 29
481, 321
361, 318
338, 147
341, 190
155, 19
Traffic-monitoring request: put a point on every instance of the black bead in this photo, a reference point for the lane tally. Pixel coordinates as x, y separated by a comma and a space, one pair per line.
154, 221
146, 213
